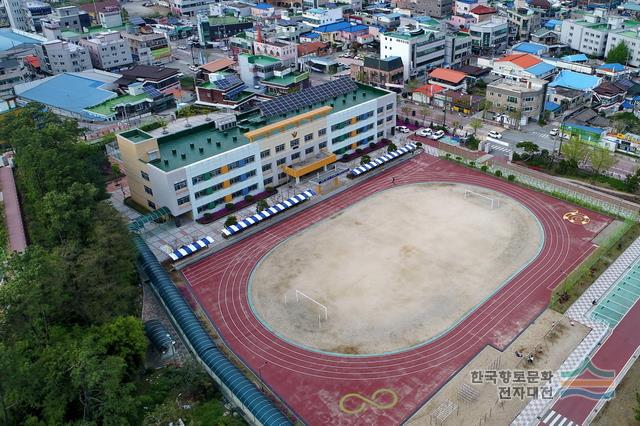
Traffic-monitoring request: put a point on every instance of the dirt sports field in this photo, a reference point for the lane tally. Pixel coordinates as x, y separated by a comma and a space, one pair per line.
387, 289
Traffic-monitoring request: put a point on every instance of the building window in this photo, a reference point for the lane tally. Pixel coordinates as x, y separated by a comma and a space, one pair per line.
148, 190
183, 200
295, 155
389, 118
282, 175
309, 150
512, 99
295, 144
266, 167
267, 181
322, 145
179, 185
151, 205
280, 148
389, 106
281, 161
265, 153
144, 175
322, 132
380, 110
308, 137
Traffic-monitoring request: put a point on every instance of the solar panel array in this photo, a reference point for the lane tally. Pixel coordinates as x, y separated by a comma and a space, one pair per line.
233, 93
228, 82
153, 92
306, 97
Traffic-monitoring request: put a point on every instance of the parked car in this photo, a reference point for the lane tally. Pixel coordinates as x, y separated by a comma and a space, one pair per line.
438, 134
425, 132
495, 135
554, 132
403, 129
193, 68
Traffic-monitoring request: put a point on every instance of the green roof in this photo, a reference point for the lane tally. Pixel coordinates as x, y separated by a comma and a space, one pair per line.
223, 20
180, 141
628, 33
204, 137
108, 107
136, 135
92, 31
404, 36
263, 60
287, 80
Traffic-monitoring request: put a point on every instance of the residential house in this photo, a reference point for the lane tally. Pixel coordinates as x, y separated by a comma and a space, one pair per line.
108, 51
516, 102
386, 73
449, 79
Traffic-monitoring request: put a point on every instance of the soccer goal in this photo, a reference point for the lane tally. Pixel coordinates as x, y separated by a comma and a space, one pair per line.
323, 312
491, 202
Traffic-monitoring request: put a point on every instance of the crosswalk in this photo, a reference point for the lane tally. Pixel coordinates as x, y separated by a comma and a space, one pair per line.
540, 135
556, 419
503, 149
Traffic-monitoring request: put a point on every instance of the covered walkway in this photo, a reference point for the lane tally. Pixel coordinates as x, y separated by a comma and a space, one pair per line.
12, 215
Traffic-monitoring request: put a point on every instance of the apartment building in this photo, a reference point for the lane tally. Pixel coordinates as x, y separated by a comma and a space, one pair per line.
198, 168
433, 8
524, 20
278, 75
458, 49
489, 36
17, 14
630, 37
190, 7
322, 16
59, 56
522, 101
590, 35
420, 49
69, 18
108, 51
147, 47
12, 72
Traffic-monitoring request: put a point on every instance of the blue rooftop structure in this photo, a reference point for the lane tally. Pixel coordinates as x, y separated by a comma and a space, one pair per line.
551, 106
311, 35
583, 128
533, 48
634, 7
333, 27
69, 92
263, 6
575, 80
10, 39
552, 23
541, 70
581, 57
612, 67
356, 28
627, 104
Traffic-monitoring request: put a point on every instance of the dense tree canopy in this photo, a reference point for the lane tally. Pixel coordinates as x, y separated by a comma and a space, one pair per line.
619, 54
71, 344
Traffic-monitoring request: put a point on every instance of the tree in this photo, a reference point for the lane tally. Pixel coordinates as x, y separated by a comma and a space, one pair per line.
475, 124
575, 151
619, 54
231, 220
391, 147
601, 159
425, 112
529, 147
261, 205
364, 159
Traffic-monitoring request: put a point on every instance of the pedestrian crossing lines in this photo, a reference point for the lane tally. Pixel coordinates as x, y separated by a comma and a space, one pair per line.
556, 419
540, 135
500, 148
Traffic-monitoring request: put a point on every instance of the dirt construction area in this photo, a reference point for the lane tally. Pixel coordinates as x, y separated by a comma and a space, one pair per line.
394, 270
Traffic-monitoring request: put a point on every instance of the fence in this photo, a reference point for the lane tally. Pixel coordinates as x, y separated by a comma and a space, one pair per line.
555, 187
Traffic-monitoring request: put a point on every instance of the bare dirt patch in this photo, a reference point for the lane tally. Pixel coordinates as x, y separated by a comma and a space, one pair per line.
551, 349
393, 270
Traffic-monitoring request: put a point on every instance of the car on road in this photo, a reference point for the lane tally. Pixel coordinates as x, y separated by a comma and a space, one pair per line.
403, 129
554, 132
193, 68
438, 134
425, 132
495, 135
183, 47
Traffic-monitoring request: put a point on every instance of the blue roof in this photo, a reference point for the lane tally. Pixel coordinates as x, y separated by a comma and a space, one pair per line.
533, 48
580, 57
627, 104
551, 23
356, 28
310, 35
333, 27
551, 106
9, 39
575, 80
263, 6
69, 92
584, 128
612, 67
540, 69
634, 7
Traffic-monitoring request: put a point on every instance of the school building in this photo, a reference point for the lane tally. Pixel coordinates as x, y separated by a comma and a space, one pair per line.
197, 166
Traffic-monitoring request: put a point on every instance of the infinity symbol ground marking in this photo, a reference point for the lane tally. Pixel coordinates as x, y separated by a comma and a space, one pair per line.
373, 401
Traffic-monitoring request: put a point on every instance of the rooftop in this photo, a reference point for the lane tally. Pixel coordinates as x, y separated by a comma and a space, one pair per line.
108, 107
69, 92
149, 72
541, 69
482, 10
447, 75
580, 57
288, 79
223, 20
218, 64
262, 60
528, 47
10, 39
523, 60
575, 80
197, 135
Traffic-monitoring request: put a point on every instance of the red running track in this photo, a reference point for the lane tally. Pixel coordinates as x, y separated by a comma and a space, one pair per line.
313, 383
